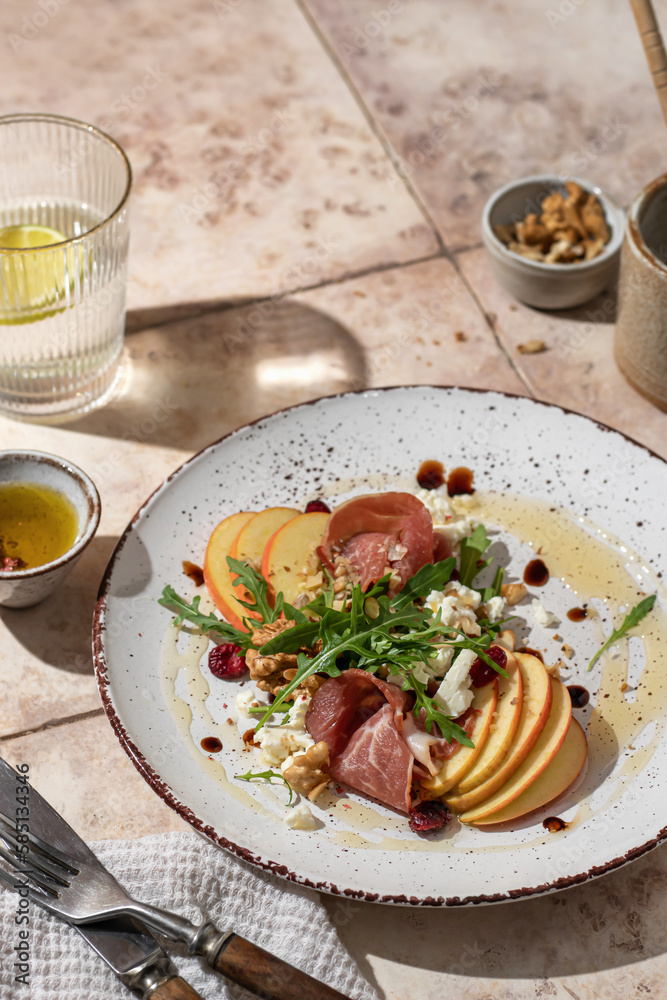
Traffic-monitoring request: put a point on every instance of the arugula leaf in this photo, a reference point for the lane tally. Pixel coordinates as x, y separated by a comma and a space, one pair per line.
348, 632
260, 709
633, 617
450, 730
257, 586
209, 624
472, 549
432, 576
494, 590
267, 776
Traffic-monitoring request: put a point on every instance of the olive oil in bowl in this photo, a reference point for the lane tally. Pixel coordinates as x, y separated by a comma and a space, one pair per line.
37, 525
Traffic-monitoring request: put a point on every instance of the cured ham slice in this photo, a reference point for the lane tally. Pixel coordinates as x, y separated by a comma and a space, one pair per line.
360, 717
378, 531
375, 743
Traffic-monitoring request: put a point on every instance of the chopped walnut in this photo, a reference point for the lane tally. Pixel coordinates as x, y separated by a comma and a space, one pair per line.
568, 229
345, 573
307, 773
268, 671
554, 669
262, 635
263, 666
513, 593
532, 347
567, 649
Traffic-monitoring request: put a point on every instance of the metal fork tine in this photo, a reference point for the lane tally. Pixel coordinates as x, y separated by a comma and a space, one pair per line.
28, 874
32, 862
49, 852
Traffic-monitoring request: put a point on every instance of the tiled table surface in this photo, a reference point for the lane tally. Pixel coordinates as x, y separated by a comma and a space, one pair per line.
308, 183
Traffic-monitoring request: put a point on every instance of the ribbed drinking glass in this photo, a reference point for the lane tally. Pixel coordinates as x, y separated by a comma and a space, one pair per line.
64, 234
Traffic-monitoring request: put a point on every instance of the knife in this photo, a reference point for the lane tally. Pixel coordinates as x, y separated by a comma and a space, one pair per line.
139, 961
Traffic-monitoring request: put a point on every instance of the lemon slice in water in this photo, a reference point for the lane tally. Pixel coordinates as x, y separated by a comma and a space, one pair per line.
31, 282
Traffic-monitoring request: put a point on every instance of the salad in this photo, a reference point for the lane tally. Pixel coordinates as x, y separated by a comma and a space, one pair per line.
378, 661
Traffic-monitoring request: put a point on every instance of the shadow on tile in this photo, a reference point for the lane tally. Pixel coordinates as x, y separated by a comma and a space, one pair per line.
607, 924
190, 382
58, 631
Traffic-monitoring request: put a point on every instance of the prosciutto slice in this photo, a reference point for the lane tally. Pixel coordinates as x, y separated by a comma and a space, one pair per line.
360, 717
380, 530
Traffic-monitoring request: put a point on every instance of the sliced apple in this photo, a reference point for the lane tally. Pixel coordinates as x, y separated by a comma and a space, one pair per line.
503, 727
557, 776
217, 577
484, 702
249, 544
545, 749
537, 697
288, 551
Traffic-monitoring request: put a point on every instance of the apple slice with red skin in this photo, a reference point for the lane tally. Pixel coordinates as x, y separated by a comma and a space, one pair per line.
503, 727
251, 541
537, 697
218, 579
453, 768
546, 747
287, 552
558, 775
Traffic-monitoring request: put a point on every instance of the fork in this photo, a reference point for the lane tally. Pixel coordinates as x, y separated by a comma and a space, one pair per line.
80, 890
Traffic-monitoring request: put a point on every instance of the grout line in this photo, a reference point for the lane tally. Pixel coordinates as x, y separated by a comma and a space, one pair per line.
207, 310
374, 125
490, 322
388, 147
53, 724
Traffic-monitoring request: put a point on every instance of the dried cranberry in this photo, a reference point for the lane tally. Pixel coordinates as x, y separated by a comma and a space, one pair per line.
227, 661
429, 816
317, 506
481, 672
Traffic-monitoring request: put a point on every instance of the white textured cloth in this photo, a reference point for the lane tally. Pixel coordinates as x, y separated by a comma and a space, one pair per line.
187, 874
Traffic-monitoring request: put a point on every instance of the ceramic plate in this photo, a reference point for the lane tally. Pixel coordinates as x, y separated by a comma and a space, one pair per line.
588, 498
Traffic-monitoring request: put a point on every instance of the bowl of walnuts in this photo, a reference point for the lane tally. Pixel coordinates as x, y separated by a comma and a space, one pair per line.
553, 243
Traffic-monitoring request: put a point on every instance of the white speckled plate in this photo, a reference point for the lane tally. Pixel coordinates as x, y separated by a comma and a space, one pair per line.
592, 499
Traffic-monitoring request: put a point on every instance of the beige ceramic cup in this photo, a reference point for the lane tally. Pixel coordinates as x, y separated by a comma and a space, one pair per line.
640, 345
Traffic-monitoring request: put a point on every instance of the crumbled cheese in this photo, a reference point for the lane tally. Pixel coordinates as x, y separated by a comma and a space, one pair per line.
454, 694
244, 699
300, 818
446, 521
457, 605
278, 742
457, 528
544, 617
437, 504
493, 609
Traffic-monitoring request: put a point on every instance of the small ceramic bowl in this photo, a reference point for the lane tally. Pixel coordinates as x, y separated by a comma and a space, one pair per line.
24, 587
548, 286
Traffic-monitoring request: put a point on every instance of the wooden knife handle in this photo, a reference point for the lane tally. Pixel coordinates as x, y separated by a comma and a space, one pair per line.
267, 976
173, 989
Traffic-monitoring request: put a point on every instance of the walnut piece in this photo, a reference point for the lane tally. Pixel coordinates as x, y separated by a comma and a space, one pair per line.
513, 593
568, 229
532, 347
307, 773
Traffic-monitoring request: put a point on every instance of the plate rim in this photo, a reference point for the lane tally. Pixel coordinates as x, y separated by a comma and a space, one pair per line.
161, 787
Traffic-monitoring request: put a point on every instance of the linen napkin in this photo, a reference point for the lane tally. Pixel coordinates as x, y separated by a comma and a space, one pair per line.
188, 874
